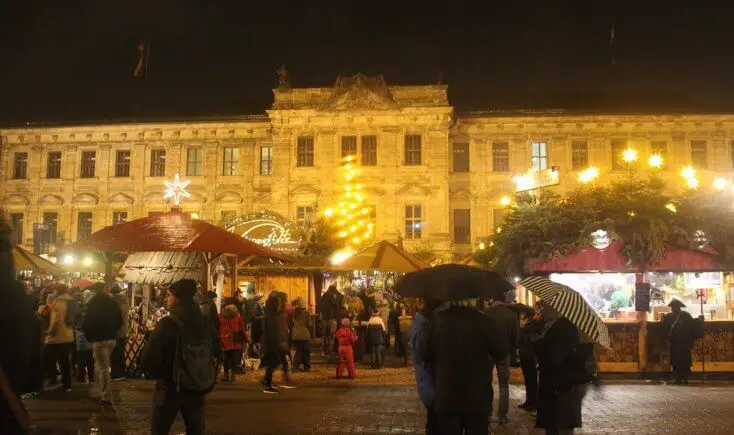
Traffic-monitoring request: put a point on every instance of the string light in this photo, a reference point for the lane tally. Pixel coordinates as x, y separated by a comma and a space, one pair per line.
588, 175
655, 161
329, 212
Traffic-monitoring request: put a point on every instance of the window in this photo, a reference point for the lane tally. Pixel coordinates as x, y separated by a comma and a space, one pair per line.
88, 163
579, 155
539, 152
500, 157
53, 165
304, 157
266, 160
699, 154
369, 150
461, 157
16, 222
462, 226
413, 222
83, 225
122, 164
303, 214
228, 215
119, 217
618, 146
194, 162
412, 149
349, 146
660, 148
20, 167
231, 158
158, 163
51, 220
498, 217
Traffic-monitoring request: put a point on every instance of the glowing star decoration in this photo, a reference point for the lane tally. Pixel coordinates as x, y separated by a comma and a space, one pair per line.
600, 239
588, 175
629, 155
720, 183
655, 161
176, 190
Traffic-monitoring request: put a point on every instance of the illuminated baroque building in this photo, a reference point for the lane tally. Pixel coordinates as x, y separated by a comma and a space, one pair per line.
430, 173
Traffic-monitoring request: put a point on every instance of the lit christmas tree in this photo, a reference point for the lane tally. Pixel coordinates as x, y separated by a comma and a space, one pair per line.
351, 217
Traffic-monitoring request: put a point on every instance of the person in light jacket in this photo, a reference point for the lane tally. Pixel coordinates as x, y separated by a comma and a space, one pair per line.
60, 334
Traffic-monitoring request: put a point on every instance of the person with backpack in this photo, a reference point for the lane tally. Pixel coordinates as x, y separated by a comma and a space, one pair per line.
180, 355
101, 324
60, 333
232, 338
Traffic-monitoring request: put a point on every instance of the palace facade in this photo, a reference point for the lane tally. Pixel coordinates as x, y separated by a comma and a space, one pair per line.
430, 173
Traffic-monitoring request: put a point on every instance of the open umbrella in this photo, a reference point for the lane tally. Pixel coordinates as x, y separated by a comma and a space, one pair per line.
83, 283
453, 282
570, 304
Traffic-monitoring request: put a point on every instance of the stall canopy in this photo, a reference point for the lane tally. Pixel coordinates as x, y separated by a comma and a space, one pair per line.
383, 256
171, 232
25, 260
159, 268
611, 259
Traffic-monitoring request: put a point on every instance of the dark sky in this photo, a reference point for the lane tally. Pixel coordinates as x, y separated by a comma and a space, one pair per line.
66, 60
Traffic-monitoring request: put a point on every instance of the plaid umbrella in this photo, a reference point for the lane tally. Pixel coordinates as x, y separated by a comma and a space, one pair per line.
571, 305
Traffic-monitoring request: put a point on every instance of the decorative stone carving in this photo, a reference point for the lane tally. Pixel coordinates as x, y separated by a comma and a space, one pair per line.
230, 198
85, 199
360, 92
414, 189
304, 189
15, 200
50, 199
120, 198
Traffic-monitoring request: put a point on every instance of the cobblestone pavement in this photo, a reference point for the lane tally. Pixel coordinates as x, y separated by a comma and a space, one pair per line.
379, 402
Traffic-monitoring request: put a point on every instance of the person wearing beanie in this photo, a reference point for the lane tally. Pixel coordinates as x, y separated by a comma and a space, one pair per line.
346, 338
185, 322
101, 324
118, 354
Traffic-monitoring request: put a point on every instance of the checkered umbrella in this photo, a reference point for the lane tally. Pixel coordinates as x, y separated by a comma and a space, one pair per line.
571, 305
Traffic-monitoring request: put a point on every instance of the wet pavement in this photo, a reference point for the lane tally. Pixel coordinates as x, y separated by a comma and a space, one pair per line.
378, 402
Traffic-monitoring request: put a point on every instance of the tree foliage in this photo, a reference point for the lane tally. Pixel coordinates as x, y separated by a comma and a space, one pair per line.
641, 213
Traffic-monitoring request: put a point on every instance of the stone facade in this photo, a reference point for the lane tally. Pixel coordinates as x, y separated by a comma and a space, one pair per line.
303, 134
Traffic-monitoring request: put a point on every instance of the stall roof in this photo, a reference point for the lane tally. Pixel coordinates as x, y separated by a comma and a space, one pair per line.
383, 256
611, 259
160, 268
26, 260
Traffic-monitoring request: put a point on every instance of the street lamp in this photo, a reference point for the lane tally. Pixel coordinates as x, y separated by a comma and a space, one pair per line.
720, 183
505, 200
655, 161
688, 172
629, 155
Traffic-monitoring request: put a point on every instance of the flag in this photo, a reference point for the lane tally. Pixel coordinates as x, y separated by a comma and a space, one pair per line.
142, 67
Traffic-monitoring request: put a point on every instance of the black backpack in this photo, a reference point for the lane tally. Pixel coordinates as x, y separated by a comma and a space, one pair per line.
193, 364
72, 312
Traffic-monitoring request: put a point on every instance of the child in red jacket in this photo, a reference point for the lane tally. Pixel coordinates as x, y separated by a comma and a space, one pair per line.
345, 338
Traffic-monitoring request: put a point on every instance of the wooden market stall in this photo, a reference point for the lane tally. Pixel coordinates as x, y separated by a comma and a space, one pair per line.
632, 298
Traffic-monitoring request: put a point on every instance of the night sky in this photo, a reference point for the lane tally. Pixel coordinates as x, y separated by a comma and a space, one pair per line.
75, 60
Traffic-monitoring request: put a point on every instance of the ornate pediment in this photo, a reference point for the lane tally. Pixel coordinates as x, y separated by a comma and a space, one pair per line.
16, 201
120, 198
230, 197
414, 189
304, 189
360, 92
85, 199
155, 197
51, 200
460, 194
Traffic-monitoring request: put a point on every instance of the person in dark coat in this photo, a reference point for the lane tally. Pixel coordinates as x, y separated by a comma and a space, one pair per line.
158, 357
375, 339
681, 331
209, 309
460, 344
275, 341
559, 395
425, 375
21, 335
301, 336
506, 319
330, 310
102, 321
530, 328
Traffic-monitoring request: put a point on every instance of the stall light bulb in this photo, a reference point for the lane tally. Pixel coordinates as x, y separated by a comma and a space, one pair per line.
68, 259
720, 183
87, 261
688, 172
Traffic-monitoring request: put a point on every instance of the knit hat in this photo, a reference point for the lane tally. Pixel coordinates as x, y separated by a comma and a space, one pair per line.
183, 289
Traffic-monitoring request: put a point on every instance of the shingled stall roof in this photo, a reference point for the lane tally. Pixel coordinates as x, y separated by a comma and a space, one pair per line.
159, 268
171, 232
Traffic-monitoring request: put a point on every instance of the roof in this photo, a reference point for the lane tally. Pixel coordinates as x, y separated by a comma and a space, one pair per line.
611, 259
26, 260
160, 268
172, 232
383, 256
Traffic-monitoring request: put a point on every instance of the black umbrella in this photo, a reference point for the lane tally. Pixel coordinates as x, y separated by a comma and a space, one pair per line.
453, 282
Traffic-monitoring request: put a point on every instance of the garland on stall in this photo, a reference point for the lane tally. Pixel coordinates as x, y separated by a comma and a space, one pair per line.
641, 213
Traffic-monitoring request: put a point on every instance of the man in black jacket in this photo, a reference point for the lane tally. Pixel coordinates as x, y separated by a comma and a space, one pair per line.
460, 344
158, 361
506, 320
101, 324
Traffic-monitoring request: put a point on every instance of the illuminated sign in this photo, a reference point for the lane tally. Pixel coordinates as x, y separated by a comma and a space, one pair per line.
267, 229
600, 239
537, 179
